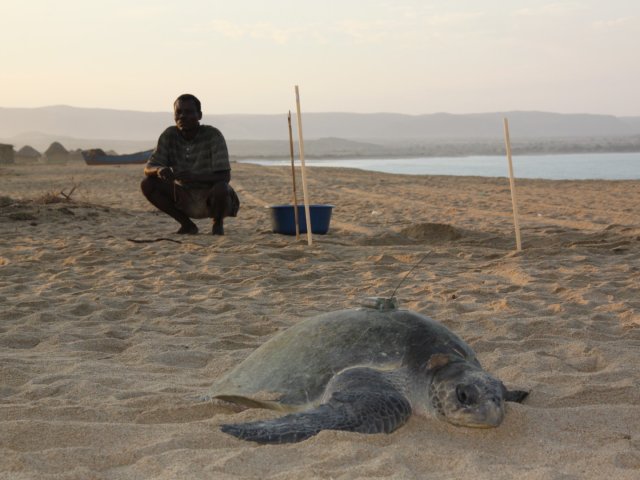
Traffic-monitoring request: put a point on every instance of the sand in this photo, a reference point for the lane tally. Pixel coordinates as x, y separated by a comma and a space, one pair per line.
106, 345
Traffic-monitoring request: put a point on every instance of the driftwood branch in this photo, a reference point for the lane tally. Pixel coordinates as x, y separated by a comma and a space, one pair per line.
57, 197
68, 195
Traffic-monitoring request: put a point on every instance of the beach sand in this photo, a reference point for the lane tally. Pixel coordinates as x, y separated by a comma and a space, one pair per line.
106, 345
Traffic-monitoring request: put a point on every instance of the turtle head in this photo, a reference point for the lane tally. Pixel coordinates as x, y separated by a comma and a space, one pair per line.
463, 394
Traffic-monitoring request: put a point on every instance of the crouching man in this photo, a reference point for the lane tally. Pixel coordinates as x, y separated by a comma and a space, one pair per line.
188, 173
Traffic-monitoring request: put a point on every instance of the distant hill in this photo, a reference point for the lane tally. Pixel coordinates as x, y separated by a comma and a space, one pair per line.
41, 141
632, 122
336, 134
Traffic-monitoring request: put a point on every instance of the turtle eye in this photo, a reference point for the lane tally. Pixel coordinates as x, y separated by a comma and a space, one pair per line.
466, 394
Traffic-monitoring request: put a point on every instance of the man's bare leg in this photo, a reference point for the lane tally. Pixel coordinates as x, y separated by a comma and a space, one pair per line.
160, 194
219, 199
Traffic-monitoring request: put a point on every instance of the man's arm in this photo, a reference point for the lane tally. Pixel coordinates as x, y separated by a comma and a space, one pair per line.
151, 171
158, 164
163, 173
158, 171
219, 151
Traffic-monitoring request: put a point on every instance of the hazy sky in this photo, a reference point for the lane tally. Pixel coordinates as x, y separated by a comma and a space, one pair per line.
245, 56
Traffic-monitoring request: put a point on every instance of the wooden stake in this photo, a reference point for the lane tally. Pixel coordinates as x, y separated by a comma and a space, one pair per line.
303, 171
293, 179
512, 184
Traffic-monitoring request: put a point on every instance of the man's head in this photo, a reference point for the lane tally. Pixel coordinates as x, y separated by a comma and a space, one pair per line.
187, 112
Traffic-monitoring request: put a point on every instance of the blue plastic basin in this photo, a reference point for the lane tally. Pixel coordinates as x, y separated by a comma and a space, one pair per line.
283, 219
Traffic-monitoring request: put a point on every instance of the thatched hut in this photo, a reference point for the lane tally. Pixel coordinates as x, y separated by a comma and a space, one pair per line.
27, 154
76, 155
7, 154
56, 153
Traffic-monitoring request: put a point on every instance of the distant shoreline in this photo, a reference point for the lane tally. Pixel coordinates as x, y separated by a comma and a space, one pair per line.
399, 156
322, 149
576, 166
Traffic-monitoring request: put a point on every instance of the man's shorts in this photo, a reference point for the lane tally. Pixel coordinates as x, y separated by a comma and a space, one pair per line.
195, 201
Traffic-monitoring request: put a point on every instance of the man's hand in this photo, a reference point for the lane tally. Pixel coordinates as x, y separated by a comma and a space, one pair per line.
166, 174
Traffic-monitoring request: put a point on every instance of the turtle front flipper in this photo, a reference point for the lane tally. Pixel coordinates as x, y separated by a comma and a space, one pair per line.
360, 400
517, 396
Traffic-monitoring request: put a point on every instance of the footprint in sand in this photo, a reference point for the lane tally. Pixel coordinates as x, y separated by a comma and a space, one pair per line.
180, 414
181, 359
431, 232
628, 460
83, 309
102, 345
19, 341
383, 259
289, 255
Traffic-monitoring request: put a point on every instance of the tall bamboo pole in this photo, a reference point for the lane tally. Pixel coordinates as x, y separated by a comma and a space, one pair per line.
303, 170
512, 184
293, 179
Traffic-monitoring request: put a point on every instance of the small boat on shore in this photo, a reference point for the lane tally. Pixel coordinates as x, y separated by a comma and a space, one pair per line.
97, 156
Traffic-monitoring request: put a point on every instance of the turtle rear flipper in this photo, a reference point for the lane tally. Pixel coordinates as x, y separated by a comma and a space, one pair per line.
365, 407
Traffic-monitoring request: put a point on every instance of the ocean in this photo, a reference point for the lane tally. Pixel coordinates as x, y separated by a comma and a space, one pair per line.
581, 166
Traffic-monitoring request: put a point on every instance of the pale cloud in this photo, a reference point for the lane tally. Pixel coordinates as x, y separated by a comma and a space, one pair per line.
228, 29
358, 31
366, 31
412, 27
418, 15
371, 31
615, 23
550, 9
262, 31
453, 19
138, 12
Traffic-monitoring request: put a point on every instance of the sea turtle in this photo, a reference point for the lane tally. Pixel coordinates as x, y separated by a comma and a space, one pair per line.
363, 370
